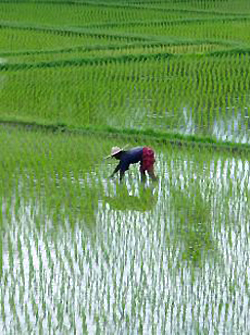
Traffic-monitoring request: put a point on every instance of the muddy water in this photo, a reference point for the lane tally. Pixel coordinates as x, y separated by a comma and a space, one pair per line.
170, 258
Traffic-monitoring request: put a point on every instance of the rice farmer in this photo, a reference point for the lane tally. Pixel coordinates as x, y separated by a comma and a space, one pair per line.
144, 155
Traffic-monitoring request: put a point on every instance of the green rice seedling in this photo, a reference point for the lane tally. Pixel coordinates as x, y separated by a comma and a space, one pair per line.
21, 260
10, 252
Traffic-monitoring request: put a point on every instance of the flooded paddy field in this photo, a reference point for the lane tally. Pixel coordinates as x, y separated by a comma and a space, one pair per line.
165, 257
83, 254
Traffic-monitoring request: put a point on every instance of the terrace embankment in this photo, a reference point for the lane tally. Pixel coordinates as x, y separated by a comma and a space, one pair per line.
140, 136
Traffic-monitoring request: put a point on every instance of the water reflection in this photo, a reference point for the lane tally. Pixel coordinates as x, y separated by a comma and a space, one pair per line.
123, 200
193, 223
228, 124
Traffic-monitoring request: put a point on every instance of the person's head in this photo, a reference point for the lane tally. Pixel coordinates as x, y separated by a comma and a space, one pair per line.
116, 152
118, 155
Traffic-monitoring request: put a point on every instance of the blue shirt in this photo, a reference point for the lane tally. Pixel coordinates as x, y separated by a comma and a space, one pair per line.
130, 157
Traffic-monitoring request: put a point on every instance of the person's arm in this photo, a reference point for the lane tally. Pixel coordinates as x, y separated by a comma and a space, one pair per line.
115, 171
121, 174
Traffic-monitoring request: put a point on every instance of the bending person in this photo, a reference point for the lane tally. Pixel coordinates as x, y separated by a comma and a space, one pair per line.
144, 155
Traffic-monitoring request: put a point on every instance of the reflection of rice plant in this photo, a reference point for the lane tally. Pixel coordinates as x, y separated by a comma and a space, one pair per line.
193, 219
144, 201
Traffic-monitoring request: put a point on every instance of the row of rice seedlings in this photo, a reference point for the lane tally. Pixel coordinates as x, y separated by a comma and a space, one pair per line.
222, 6
239, 6
158, 18
188, 94
103, 12
111, 50
205, 7
82, 15
14, 39
179, 48
226, 30
186, 19
222, 28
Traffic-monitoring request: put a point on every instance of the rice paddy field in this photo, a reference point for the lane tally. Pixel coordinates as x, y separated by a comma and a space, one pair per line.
83, 254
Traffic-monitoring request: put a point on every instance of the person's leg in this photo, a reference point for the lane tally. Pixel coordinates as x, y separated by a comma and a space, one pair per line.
143, 176
151, 174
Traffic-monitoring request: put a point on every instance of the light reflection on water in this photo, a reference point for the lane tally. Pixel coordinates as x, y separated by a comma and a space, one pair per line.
130, 276
230, 124
225, 124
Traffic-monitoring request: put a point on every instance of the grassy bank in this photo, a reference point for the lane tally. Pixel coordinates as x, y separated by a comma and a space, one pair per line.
133, 135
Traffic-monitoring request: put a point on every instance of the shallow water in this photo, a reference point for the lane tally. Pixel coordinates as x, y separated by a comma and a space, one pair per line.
179, 265
228, 124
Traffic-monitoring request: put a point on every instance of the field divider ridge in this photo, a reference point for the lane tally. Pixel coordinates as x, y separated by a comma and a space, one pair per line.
111, 59
157, 136
122, 5
73, 30
131, 45
84, 61
166, 22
